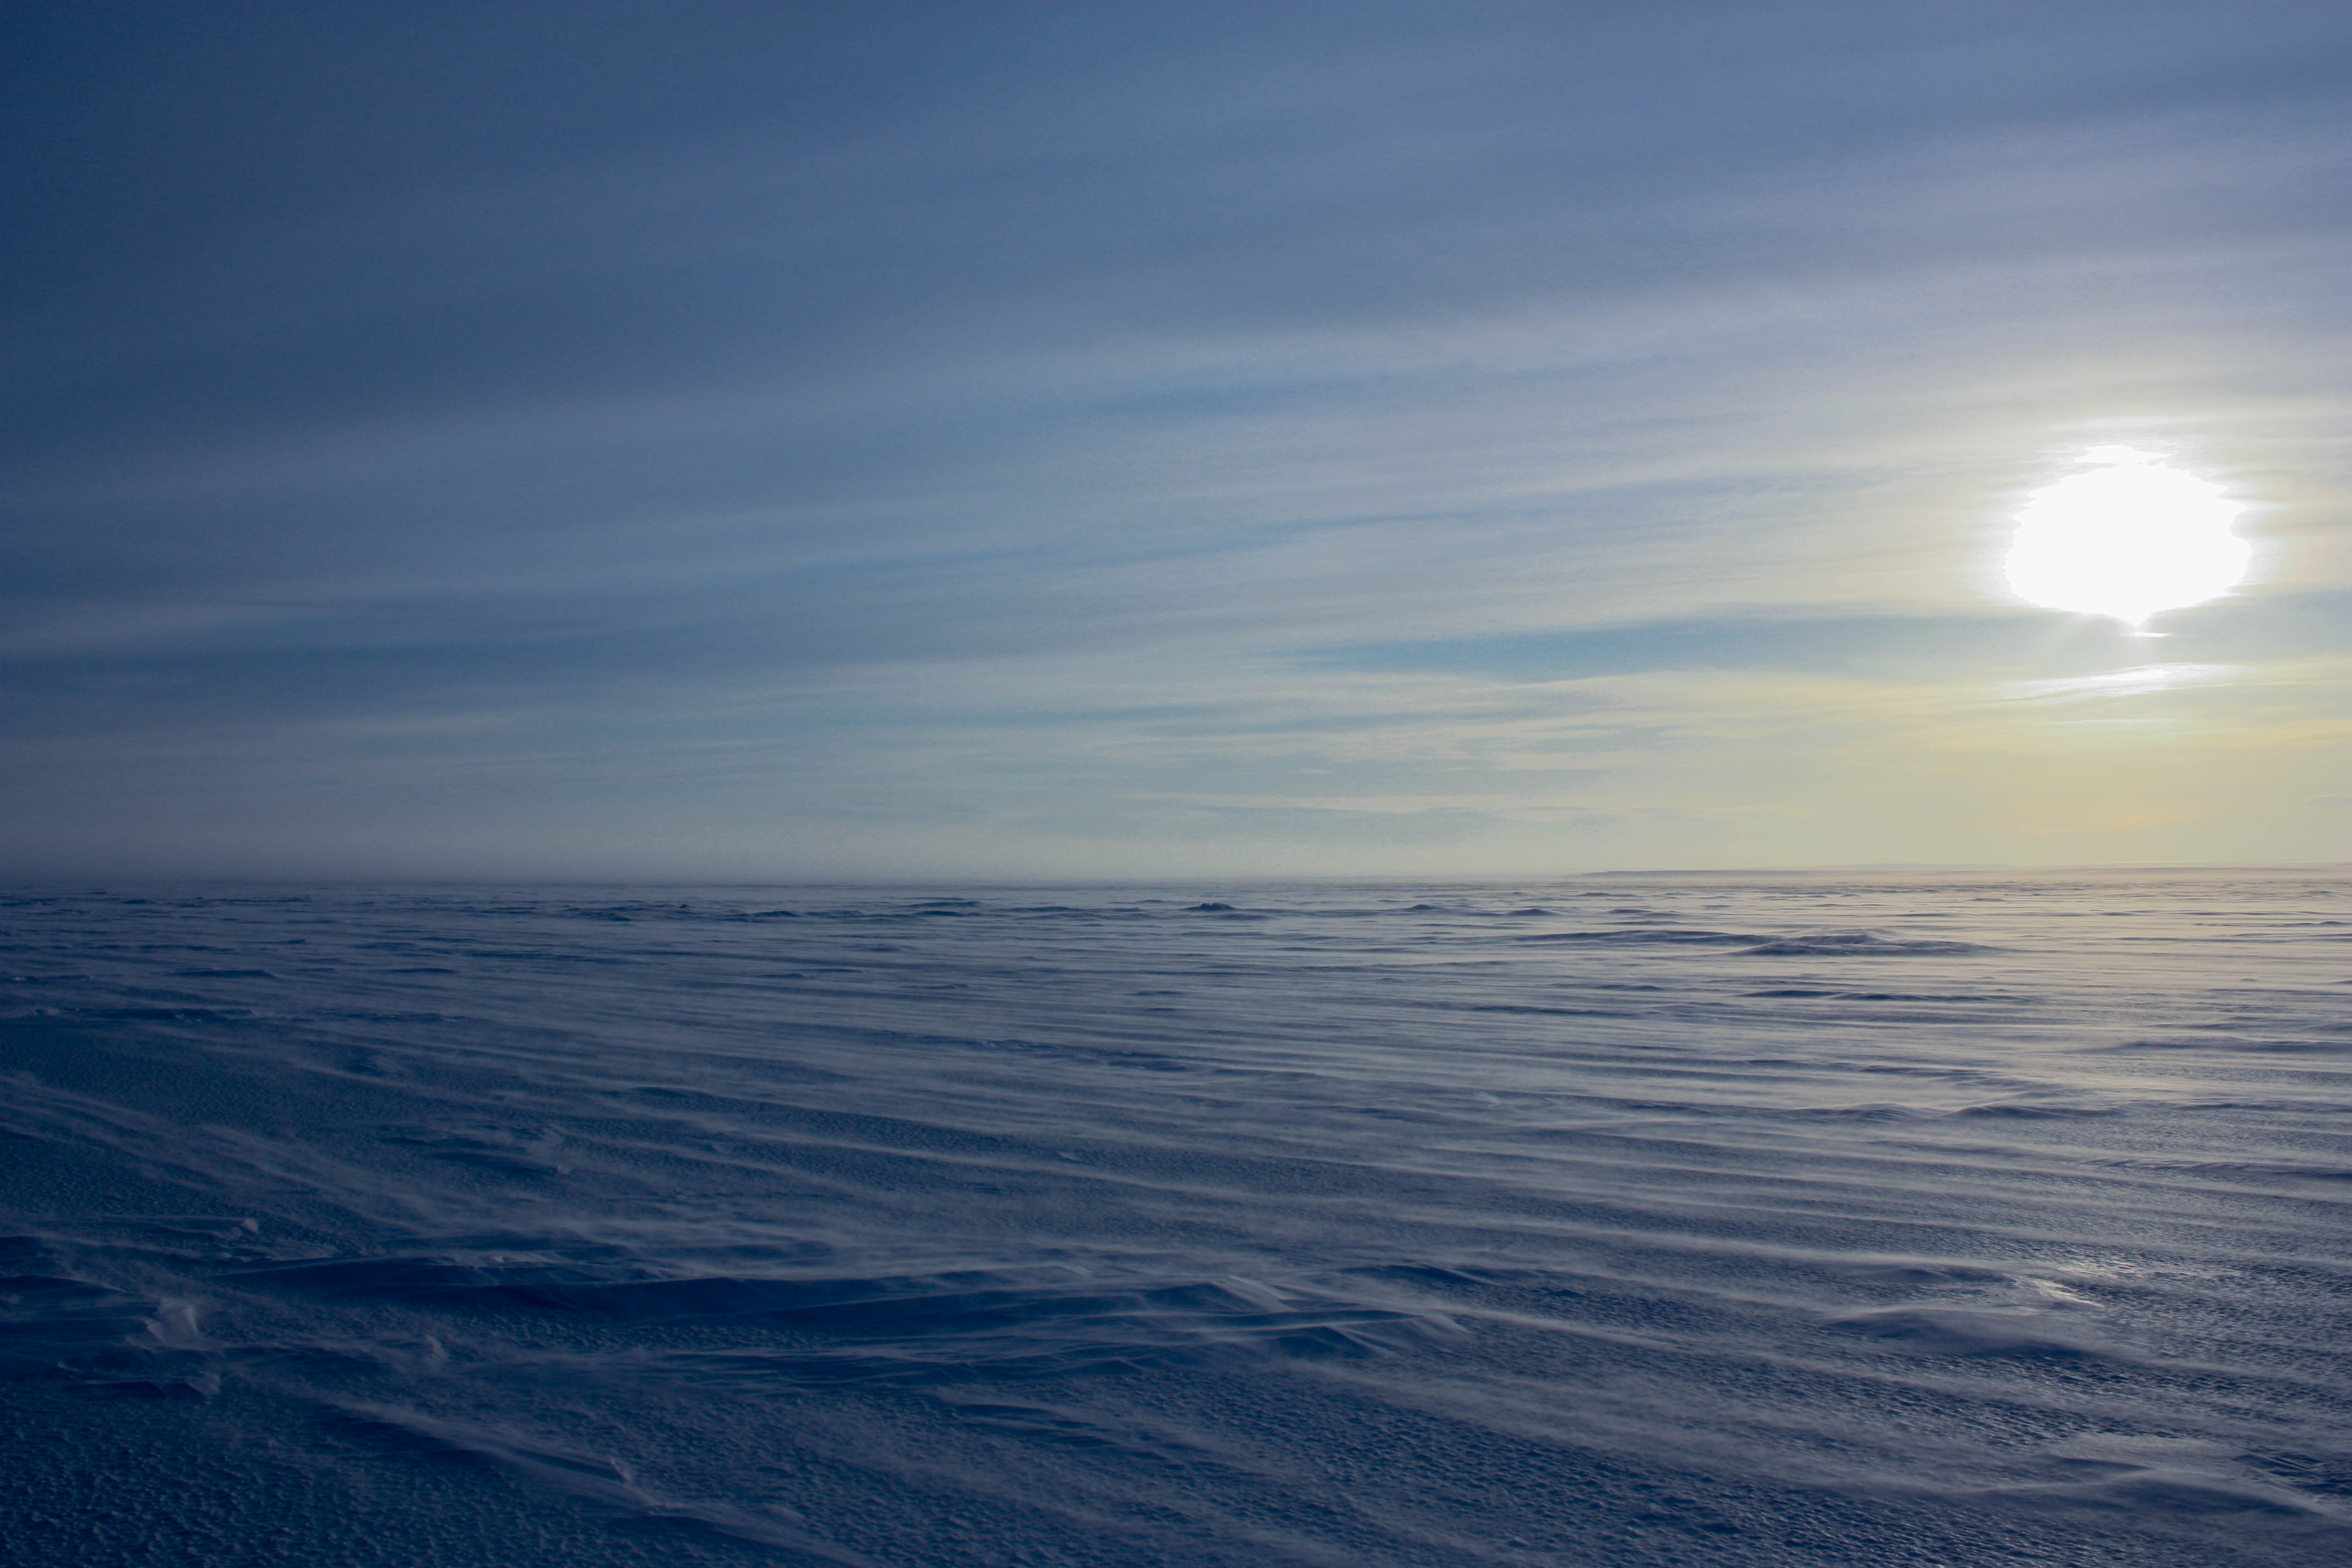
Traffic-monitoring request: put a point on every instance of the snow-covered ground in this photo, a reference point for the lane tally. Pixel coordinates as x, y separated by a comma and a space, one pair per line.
1948, 1220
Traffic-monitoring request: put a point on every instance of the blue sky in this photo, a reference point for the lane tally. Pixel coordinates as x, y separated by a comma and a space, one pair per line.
760, 441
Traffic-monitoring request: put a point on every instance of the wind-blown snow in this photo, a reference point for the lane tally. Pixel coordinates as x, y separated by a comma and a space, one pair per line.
1935, 1220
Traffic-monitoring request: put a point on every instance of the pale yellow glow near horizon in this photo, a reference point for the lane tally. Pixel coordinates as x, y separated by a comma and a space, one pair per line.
2132, 536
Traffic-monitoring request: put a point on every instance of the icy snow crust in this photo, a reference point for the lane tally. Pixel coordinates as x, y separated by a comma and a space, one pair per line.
1916, 1221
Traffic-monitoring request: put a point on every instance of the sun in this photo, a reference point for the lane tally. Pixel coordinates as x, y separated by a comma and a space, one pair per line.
2132, 536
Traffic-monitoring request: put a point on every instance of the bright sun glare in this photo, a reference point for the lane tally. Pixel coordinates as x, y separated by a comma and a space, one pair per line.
2132, 536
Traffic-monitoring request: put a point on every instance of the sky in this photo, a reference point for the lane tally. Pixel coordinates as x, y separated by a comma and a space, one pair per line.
764, 442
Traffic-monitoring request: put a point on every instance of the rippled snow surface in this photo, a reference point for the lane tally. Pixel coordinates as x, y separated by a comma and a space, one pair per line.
1910, 1221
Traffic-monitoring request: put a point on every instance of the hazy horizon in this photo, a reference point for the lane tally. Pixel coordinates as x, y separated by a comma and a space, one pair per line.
61, 886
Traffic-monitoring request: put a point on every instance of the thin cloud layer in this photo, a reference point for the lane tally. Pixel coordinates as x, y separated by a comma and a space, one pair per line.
752, 441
